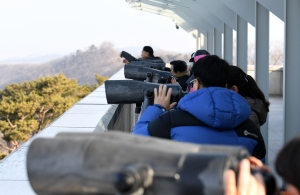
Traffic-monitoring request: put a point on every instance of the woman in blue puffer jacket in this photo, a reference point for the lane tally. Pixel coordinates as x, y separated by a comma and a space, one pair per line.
221, 110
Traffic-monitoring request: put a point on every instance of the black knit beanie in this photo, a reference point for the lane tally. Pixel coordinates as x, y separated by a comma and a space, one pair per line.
149, 50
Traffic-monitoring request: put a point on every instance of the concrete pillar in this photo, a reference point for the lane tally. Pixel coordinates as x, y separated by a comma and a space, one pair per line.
262, 58
197, 41
228, 45
203, 41
218, 43
210, 42
242, 43
291, 71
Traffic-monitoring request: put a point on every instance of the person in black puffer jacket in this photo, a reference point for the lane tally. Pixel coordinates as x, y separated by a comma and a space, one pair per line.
180, 73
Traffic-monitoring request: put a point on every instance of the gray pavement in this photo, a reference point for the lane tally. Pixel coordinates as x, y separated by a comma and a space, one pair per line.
276, 134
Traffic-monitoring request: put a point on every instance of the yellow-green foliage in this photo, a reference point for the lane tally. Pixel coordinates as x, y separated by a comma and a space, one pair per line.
3, 155
100, 79
27, 108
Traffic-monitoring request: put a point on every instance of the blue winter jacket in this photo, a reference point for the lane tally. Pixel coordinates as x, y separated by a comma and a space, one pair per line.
219, 108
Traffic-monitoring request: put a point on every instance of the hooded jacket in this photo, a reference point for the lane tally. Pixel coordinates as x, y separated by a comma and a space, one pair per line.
259, 111
219, 108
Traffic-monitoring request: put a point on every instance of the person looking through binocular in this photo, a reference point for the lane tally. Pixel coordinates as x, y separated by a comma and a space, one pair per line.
147, 53
180, 73
221, 112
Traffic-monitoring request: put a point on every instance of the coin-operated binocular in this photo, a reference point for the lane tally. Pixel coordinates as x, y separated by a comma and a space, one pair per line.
130, 91
112, 163
143, 73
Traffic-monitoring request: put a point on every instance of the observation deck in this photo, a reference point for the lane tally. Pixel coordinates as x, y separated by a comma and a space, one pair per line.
93, 113
212, 23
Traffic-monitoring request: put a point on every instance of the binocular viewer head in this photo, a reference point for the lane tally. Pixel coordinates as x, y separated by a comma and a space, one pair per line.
130, 91
149, 64
121, 163
137, 72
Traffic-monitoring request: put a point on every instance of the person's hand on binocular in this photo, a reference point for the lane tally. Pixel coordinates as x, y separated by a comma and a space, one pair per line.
173, 81
126, 61
247, 183
163, 97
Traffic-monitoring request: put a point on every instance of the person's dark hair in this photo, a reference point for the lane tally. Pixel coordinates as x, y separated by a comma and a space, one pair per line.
287, 162
179, 66
246, 85
149, 50
211, 71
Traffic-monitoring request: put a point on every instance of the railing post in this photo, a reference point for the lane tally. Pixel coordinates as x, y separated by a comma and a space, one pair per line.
203, 41
210, 42
218, 43
242, 43
262, 58
198, 40
228, 45
291, 71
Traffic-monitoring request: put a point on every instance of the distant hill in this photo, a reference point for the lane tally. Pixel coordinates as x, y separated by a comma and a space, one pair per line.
82, 65
167, 56
31, 59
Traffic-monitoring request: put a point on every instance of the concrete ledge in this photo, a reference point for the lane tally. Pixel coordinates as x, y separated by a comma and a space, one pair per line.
86, 115
275, 78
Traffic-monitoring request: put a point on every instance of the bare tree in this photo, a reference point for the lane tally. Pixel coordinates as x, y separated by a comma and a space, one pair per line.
251, 53
276, 53
234, 51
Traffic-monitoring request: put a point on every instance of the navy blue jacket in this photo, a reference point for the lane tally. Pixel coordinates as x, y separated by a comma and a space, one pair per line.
219, 108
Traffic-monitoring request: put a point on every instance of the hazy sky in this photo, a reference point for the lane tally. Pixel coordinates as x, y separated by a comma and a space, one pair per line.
41, 27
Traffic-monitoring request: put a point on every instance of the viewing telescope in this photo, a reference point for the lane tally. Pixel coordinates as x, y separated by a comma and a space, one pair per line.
149, 64
130, 58
143, 73
112, 163
130, 91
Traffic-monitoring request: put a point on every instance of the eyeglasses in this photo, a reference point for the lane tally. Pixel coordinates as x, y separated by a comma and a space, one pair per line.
192, 82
